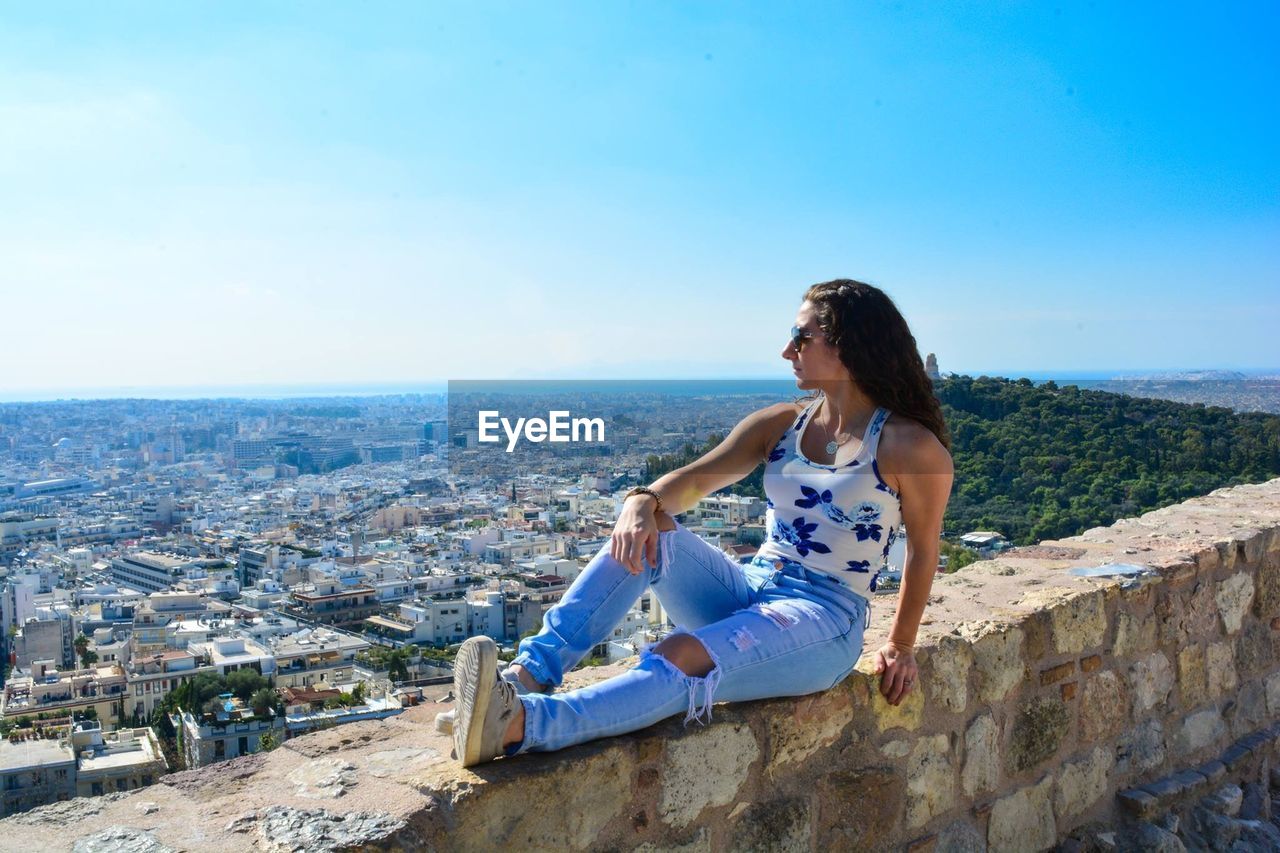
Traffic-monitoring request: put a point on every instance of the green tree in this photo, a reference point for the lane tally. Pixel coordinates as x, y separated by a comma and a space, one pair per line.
243, 682
262, 701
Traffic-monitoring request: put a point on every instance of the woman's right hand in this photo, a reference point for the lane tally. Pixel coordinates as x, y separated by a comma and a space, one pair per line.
635, 536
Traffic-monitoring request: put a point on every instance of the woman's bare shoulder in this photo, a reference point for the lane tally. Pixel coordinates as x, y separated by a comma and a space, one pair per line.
908, 446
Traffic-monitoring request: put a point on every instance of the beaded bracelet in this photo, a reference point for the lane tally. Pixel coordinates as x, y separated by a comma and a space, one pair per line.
645, 490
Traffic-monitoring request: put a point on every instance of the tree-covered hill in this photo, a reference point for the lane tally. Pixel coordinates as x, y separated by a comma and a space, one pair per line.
1042, 462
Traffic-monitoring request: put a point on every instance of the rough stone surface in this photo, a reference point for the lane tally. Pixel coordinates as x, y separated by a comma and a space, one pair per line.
1273, 694
1198, 731
699, 842
1248, 712
1141, 749
1079, 624
599, 784
981, 770
1023, 820
324, 778
1082, 783
120, 839
1134, 635
1152, 679
1234, 596
1038, 731
287, 830
836, 790
1104, 707
815, 724
1221, 669
1149, 838
947, 673
705, 770
1192, 680
960, 837
998, 663
931, 780
782, 825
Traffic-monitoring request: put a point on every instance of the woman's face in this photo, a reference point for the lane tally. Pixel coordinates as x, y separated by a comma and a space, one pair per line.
816, 362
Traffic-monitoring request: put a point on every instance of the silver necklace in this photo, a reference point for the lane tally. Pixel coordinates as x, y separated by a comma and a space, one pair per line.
833, 445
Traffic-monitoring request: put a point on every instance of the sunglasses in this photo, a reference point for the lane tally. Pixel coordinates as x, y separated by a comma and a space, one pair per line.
799, 336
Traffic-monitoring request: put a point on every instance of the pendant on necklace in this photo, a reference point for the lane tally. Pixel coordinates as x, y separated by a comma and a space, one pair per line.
832, 447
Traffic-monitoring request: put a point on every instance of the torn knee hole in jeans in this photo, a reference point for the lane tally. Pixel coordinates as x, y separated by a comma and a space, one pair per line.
782, 618
700, 711
742, 639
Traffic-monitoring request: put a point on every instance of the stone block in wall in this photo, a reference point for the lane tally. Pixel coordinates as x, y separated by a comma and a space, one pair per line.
1248, 711
599, 785
781, 825
1104, 707
1023, 821
960, 837
1192, 679
1220, 667
907, 714
1082, 783
1197, 731
981, 770
1273, 694
1141, 749
997, 659
1151, 679
1234, 595
705, 771
931, 780
1266, 600
1180, 616
946, 673
814, 724
1135, 634
698, 842
840, 793
1039, 729
1079, 623
1257, 649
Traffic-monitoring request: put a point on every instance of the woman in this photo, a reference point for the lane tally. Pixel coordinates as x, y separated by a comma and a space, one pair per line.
843, 471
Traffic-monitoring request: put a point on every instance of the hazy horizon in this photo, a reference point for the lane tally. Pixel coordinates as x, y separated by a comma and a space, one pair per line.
279, 391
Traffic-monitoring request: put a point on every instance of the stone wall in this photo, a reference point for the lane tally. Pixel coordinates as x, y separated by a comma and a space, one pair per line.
1051, 703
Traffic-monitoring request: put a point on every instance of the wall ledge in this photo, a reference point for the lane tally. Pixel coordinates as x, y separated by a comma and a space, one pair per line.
1050, 701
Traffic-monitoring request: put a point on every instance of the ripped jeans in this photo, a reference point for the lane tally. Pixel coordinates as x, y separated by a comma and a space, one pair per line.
768, 633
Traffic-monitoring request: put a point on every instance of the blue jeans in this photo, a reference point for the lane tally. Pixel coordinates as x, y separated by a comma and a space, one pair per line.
768, 633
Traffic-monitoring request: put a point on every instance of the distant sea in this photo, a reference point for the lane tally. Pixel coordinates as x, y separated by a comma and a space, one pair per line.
744, 385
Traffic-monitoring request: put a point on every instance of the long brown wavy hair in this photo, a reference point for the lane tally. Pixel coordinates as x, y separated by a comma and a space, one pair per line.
878, 348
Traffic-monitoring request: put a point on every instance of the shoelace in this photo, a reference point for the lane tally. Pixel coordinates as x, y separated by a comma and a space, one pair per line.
508, 696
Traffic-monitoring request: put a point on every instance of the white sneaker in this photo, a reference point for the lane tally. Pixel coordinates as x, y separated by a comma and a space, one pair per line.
445, 719
486, 703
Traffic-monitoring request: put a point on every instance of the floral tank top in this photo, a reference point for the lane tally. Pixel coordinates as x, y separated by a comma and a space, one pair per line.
839, 520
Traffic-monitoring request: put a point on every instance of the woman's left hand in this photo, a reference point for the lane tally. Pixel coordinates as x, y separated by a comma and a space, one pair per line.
898, 672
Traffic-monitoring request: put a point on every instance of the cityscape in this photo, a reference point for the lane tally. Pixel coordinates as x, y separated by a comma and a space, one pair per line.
184, 582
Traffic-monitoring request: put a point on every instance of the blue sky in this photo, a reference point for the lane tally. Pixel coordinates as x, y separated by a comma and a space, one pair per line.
224, 194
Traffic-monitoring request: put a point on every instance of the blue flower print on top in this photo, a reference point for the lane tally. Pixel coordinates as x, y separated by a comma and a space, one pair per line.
778, 452
812, 497
862, 566
862, 523
888, 542
798, 536
874, 580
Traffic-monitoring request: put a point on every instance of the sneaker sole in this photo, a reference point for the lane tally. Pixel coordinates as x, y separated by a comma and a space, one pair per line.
473, 675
